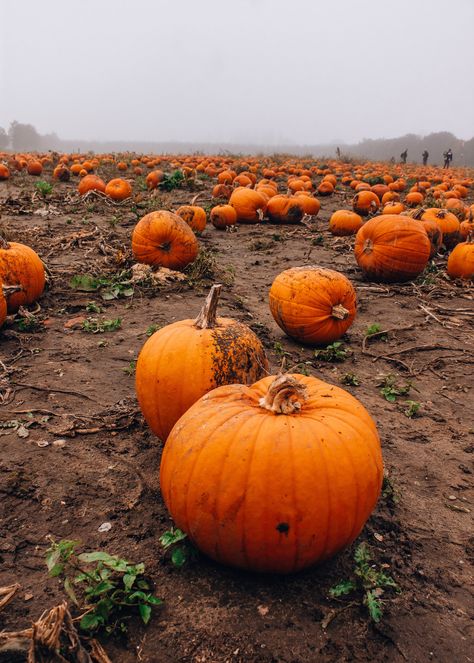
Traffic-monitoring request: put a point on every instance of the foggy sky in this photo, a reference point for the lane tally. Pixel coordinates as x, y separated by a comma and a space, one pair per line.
262, 71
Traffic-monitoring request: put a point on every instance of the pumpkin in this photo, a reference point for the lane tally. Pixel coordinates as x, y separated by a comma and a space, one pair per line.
223, 216
118, 189
448, 223
414, 198
183, 361
310, 204
393, 207
344, 222
461, 261
392, 248
194, 216
273, 477
222, 191
284, 209
466, 227
4, 172
326, 188
163, 239
313, 305
91, 183
435, 235
6, 292
34, 167
249, 204
20, 265
62, 173
365, 202
154, 178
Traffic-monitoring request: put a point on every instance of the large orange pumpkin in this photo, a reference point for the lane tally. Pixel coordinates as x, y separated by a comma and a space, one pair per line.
91, 183
461, 261
163, 239
274, 477
365, 202
312, 304
448, 222
392, 248
186, 359
249, 204
20, 265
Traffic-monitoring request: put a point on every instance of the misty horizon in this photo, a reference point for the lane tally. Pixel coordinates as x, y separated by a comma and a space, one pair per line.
265, 73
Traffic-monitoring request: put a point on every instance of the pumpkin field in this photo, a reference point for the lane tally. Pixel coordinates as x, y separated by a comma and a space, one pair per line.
236, 409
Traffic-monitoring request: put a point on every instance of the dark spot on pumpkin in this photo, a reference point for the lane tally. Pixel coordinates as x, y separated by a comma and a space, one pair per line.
283, 528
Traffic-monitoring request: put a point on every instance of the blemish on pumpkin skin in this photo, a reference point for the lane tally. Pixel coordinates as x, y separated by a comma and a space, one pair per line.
283, 528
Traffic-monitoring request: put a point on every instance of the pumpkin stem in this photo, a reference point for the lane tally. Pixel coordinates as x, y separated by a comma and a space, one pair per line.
3, 243
285, 395
340, 312
208, 314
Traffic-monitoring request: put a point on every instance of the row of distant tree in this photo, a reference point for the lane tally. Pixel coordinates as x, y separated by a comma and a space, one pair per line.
24, 137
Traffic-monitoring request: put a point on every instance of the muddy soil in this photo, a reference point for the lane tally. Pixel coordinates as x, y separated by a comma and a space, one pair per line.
61, 383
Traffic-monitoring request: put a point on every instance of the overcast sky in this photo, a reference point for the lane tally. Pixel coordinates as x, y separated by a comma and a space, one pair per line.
265, 71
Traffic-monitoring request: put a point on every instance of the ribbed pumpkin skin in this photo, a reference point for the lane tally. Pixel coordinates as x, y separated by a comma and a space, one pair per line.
272, 492
19, 264
163, 239
302, 300
180, 363
194, 216
285, 209
391, 248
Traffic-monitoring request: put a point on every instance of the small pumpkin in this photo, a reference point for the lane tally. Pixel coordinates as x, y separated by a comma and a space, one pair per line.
223, 216
249, 204
91, 183
392, 248
344, 222
183, 361
194, 216
273, 477
461, 261
118, 189
448, 222
365, 202
154, 178
34, 167
20, 265
311, 205
4, 172
163, 239
313, 305
62, 173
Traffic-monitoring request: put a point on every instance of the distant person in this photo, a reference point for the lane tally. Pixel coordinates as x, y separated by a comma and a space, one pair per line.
448, 157
338, 152
403, 156
392, 159
425, 156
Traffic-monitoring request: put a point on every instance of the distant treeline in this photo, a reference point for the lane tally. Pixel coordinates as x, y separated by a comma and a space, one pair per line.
24, 137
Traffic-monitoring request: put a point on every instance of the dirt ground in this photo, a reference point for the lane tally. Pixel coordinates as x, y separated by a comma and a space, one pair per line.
62, 383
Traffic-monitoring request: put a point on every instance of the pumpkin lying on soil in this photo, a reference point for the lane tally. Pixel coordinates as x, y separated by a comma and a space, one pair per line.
285, 209
20, 265
194, 216
344, 222
163, 239
461, 261
118, 189
274, 477
186, 359
313, 305
391, 248
249, 204
223, 216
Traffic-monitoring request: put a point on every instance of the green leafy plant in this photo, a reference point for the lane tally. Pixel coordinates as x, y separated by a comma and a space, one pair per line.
388, 491
28, 323
412, 408
107, 590
318, 240
44, 188
176, 541
373, 329
280, 350
333, 352
350, 379
204, 267
391, 390
172, 180
116, 286
93, 307
368, 580
94, 326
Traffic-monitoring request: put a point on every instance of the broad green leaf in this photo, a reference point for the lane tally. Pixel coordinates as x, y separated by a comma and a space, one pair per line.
145, 612
373, 606
128, 580
101, 588
70, 592
171, 536
91, 622
179, 556
84, 282
97, 556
